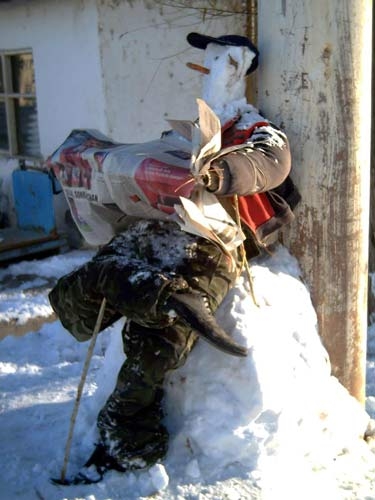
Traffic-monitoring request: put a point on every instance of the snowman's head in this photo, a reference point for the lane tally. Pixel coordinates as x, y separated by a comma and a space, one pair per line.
228, 60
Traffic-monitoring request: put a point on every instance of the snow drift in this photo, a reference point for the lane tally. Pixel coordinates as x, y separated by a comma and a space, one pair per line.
271, 425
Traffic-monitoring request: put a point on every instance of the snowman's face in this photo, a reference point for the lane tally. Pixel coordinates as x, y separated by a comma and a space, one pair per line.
227, 70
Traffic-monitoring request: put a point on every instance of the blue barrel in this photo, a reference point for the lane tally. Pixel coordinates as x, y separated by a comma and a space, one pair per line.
33, 198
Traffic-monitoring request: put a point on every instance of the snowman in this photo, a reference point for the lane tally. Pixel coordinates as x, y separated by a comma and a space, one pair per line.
167, 282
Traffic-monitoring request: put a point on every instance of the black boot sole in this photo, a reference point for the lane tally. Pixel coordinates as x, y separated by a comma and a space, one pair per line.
195, 314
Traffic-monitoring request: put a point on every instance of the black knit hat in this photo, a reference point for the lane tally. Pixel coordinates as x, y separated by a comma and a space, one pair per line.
201, 41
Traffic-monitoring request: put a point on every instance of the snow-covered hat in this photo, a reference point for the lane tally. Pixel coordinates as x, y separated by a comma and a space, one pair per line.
201, 41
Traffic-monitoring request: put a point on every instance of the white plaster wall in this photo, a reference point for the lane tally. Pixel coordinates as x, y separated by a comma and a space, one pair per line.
144, 54
63, 37
114, 65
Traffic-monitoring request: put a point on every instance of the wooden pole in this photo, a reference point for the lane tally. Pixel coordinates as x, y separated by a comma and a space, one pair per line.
251, 31
371, 296
81, 385
315, 81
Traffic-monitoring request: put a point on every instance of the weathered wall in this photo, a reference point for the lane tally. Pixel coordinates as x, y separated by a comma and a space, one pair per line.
143, 53
64, 39
114, 65
315, 81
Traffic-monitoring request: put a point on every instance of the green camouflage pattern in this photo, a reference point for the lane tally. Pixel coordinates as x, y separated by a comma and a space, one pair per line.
136, 272
130, 422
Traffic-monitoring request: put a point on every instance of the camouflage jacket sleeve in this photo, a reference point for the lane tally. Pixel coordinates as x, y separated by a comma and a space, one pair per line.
76, 302
132, 287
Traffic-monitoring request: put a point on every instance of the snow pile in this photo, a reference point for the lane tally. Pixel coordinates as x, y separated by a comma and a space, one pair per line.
273, 425
278, 413
23, 286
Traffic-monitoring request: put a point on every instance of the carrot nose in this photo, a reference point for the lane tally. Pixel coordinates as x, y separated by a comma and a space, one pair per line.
198, 67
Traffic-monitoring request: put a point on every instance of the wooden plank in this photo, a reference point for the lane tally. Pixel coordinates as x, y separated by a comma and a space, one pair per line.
21, 244
13, 238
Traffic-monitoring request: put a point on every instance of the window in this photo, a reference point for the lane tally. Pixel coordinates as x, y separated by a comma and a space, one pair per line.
19, 135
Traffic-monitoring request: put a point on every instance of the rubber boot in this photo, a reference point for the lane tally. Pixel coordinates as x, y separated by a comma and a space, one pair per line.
193, 309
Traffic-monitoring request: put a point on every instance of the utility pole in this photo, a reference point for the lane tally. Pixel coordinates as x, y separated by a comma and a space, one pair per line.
371, 296
315, 81
251, 31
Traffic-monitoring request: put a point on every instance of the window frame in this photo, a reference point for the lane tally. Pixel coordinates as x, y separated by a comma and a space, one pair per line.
8, 97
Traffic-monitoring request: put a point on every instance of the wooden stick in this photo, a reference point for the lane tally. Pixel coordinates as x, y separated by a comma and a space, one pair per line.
198, 67
243, 251
80, 387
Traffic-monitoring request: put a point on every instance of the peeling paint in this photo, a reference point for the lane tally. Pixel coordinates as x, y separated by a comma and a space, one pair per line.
322, 98
305, 40
315, 85
148, 53
305, 80
326, 58
283, 7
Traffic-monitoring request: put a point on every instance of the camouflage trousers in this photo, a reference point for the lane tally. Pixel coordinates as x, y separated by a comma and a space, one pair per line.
136, 272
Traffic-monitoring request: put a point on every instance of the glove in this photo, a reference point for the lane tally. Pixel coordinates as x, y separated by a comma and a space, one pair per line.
217, 176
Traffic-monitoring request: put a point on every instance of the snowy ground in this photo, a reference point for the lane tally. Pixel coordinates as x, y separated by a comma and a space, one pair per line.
274, 425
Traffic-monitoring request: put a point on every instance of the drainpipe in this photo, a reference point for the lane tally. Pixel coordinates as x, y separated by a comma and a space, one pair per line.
251, 29
314, 80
